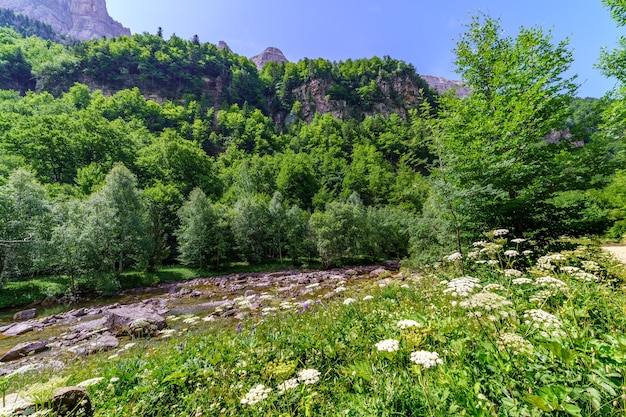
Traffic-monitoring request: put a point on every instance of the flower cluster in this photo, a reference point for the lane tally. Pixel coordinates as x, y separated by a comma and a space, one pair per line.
348, 301
426, 359
309, 376
512, 273
514, 343
461, 287
388, 345
521, 281
546, 262
511, 253
544, 321
500, 232
487, 301
454, 257
288, 385
405, 324
590, 266
493, 287
256, 394
518, 240
552, 282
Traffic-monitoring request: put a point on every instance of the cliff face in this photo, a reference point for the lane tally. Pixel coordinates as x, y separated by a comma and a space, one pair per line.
441, 85
80, 19
270, 54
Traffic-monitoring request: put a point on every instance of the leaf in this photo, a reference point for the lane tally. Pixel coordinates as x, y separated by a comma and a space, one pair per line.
572, 409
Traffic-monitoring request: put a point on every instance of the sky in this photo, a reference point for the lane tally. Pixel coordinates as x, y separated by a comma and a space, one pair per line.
422, 33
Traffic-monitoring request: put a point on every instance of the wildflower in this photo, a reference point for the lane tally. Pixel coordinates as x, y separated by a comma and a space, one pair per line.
480, 243
511, 253
552, 282
512, 273
518, 240
309, 376
191, 320
340, 289
208, 318
545, 262
569, 269
527, 252
90, 382
487, 301
541, 296
462, 287
493, 287
310, 286
114, 379
256, 394
405, 324
388, 345
368, 297
586, 276
455, 256
492, 262
288, 385
516, 344
348, 301
473, 255
500, 232
540, 319
426, 359
590, 266
521, 281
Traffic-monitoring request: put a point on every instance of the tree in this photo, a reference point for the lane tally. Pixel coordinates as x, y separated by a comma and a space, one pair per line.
251, 227
503, 147
203, 235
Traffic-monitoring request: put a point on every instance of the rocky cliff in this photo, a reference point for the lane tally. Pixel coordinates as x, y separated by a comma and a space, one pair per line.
80, 19
441, 85
270, 54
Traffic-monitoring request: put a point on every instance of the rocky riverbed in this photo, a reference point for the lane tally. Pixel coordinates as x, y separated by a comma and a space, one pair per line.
51, 341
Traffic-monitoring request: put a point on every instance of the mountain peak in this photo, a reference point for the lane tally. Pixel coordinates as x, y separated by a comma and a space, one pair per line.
270, 54
79, 19
223, 45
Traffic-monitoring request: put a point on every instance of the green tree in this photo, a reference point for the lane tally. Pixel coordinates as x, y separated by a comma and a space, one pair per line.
504, 147
251, 226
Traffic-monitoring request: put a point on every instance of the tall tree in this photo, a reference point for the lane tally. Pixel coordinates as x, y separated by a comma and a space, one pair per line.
503, 146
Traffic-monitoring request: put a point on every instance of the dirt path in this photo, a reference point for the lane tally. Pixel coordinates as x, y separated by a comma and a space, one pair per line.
619, 251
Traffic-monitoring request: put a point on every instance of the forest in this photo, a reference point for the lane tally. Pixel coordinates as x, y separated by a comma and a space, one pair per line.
137, 152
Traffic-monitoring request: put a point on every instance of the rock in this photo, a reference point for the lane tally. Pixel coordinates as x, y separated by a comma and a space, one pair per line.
25, 315
351, 272
49, 301
80, 19
223, 45
214, 304
19, 329
104, 342
270, 54
137, 321
378, 272
249, 293
71, 401
441, 85
391, 264
24, 349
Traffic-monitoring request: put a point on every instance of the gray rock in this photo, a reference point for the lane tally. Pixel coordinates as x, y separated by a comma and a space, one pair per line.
71, 401
25, 315
19, 329
104, 342
24, 349
249, 293
270, 54
137, 321
49, 301
378, 272
392, 265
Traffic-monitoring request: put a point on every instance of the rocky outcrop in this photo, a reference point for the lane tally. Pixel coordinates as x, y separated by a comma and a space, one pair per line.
441, 85
270, 54
24, 349
79, 19
224, 45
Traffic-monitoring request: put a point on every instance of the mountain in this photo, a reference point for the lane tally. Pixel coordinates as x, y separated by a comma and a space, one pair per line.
79, 19
270, 54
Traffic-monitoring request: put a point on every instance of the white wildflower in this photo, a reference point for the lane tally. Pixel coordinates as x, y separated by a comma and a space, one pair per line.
542, 320
516, 344
348, 301
512, 273
527, 252
256, 394
340, 289
314, 285
426, 359
492, 262
309, 376
569, 269
590, 266
288, 385
405, 324
191, 320
552, 282
473, 255
500, 232
487, 301
479, 244
511, 253
521, 281
462, 287
208, 318
368, 297
455, 256
493, 287
388, 345
546, 261
90, 382
518, 240
586, 276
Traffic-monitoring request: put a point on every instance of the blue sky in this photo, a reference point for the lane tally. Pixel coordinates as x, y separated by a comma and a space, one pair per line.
416, 31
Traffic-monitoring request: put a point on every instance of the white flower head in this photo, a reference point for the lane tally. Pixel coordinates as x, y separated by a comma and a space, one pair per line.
309, 376
256, 394
511, 253
426, 359
455, 256
288, 385
500, 232
348, 301
518, 240
405, 324
388, 345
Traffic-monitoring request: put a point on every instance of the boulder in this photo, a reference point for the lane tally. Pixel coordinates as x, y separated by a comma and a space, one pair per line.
104, 342
378, 272
71, 401
136, 321
49, 301
391, 265
24, 349
25, 315
19, 329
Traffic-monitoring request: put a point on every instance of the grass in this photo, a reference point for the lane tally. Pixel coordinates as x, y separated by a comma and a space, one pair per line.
516, 344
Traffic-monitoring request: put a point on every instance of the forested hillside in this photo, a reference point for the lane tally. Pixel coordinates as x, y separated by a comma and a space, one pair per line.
138, 151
